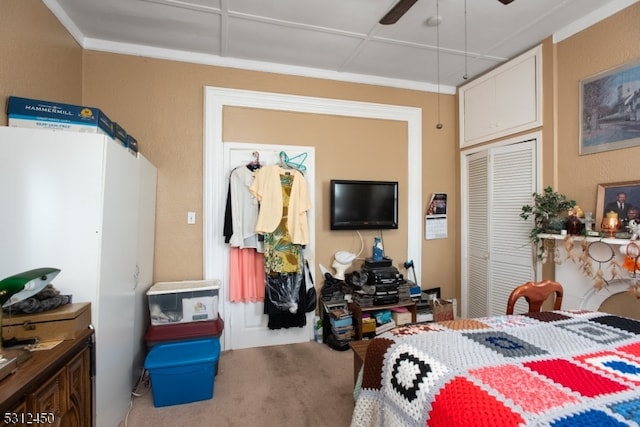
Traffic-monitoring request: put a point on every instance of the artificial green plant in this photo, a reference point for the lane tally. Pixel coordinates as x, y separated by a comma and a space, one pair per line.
547, 207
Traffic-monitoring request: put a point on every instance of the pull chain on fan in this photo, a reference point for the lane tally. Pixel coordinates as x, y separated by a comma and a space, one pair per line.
466, 50
439, 125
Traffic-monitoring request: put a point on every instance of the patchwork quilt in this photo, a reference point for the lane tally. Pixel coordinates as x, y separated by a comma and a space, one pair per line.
556, 368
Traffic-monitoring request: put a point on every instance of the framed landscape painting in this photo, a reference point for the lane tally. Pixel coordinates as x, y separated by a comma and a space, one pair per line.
610, 110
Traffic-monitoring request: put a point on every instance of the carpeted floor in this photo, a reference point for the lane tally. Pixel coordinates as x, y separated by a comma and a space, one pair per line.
297, 385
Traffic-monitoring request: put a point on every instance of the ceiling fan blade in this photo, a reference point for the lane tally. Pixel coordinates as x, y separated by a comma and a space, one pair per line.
505, 1
396, 12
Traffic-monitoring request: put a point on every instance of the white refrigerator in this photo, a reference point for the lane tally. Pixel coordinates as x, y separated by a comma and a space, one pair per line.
82, 203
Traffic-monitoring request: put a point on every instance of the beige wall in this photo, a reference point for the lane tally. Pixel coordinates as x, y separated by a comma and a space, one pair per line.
38, 57
345, 148
609, 44
161, 103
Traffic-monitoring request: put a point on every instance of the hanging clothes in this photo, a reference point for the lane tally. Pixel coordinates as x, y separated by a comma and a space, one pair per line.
241, 210
227, 228
285, 284
246, 263
279, 319
267, 188
282, 255
244, 210
246, 275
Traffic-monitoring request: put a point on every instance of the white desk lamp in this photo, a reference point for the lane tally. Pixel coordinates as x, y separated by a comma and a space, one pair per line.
12, 290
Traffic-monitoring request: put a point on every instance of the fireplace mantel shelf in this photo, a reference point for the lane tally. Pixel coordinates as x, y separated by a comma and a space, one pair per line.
611, 241
579, 290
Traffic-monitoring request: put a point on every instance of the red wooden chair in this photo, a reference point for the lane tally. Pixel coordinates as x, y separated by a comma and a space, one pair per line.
536, 293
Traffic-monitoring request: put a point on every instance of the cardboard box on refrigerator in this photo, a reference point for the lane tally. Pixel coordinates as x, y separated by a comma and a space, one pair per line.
39, 114
132, 144
61, 323
120, 134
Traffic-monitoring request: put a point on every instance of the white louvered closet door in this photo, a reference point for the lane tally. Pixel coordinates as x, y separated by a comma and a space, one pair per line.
496, 250
477, 231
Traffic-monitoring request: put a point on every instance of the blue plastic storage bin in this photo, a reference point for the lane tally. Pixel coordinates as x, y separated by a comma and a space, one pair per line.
182, 372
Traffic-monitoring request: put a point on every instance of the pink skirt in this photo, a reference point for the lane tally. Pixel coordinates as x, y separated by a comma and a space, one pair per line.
246, 275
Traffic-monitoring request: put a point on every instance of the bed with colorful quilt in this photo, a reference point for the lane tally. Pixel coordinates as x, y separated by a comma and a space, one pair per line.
556, 368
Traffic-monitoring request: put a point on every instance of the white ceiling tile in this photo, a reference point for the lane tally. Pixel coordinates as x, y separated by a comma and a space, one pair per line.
334, 35
277, 43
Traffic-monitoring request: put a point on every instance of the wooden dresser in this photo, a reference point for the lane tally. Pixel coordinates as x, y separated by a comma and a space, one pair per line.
53, 387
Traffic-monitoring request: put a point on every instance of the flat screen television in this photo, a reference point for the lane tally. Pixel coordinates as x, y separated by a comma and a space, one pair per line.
361, 205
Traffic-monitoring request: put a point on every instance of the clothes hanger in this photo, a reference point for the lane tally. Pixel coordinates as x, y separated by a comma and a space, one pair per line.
255, 163
288, 163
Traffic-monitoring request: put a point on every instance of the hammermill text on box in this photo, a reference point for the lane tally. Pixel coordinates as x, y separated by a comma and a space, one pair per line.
33, 113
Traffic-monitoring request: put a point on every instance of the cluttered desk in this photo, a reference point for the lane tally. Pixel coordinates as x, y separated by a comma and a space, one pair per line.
45, 375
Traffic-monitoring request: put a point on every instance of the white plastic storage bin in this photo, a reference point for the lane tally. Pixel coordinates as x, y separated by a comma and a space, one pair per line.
186, 301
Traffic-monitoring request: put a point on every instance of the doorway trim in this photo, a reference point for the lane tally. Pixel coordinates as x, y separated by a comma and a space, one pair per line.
214, 191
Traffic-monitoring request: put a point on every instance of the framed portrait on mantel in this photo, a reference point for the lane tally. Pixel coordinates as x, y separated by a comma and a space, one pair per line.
620, 197
610, 110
